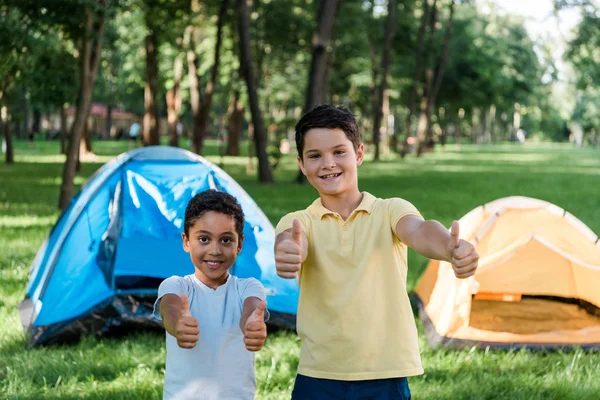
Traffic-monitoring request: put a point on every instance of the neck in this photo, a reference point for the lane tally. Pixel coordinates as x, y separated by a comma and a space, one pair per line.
211, 283
343, 203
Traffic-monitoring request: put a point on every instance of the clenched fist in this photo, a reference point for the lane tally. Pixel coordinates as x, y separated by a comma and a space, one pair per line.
462, 254
186, 327
289, 252
255, 330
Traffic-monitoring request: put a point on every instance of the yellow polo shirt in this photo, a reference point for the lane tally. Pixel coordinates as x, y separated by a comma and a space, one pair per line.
354, 320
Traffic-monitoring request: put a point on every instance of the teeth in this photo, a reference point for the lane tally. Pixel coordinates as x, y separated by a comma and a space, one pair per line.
329, 176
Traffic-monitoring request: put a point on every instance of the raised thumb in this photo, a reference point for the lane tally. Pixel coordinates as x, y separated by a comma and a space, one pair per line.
454, 233
297, 232
185, 306
259, 312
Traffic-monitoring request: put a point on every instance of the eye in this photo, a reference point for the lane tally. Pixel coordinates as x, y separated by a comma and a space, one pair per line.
227, 240
314, 156
339, 152
203, 239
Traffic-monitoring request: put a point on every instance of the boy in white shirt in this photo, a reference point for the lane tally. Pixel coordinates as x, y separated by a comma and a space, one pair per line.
214, 321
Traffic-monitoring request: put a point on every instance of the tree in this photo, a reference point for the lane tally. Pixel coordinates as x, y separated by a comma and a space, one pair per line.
382, 87
317, 75
91, 48
260, 138
206, 101
433, 79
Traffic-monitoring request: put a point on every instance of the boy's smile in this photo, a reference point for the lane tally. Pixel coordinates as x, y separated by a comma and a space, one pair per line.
213, 244
330, 161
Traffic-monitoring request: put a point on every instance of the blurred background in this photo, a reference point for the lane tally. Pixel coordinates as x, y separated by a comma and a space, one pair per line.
460, 103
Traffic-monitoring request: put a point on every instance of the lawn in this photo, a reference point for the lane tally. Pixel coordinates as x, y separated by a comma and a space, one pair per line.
444, 186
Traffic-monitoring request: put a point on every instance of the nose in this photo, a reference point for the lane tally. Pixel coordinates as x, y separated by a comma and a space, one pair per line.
215, 249
328, 161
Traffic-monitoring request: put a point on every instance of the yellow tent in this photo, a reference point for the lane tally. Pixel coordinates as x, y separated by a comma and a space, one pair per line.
537, 285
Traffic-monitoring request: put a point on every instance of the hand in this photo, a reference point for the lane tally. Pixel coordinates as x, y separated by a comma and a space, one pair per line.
288, 253
462, 254
255, 331
186, 328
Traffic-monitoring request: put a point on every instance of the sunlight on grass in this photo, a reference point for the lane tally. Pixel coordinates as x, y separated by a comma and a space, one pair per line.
26, 221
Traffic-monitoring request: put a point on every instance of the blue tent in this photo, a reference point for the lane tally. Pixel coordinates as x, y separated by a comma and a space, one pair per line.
99, 269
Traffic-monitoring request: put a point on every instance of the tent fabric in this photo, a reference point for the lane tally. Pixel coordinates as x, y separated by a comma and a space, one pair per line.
101, 264
540, 263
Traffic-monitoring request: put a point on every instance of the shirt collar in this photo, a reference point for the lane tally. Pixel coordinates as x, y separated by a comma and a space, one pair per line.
366, 205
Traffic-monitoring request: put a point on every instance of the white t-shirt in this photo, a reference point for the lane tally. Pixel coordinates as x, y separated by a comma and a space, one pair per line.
219, 367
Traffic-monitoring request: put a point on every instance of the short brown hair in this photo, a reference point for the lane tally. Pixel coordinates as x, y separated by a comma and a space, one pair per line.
330, 117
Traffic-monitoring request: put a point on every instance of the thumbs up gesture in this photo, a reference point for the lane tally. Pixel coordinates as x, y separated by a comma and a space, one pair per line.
462, 254
289, 251
255, 331
186, 328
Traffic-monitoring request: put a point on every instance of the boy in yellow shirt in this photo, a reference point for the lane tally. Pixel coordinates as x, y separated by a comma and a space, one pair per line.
348, 250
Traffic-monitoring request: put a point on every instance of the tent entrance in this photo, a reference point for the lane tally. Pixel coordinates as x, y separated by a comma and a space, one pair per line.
533, 314
130, 282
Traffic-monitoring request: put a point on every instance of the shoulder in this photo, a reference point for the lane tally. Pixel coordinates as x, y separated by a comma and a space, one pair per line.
395, 204
175, 284
249, 287
287, 220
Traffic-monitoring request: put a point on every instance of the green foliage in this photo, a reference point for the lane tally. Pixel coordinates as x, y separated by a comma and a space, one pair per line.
132, 367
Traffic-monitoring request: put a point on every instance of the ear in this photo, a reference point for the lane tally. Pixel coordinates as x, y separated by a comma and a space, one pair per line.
360, 154
186, 242
240, 241
301, 164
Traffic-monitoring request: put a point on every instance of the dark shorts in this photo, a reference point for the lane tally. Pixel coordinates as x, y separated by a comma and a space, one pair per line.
307, 388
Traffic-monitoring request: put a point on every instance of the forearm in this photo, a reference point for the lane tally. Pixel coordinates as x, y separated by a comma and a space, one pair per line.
250, 304
170, 308
431, 240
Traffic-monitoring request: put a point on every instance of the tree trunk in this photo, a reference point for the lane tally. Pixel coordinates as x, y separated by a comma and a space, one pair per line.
210, 85
439, 73
150, 132
85, 146
412, 98
9, 156
63, 129
37, 124
173, 99
385, 64
192, 60
90, 59
317, 75
108, 126
260, 138
234, 125
25, 105
425, 113
385, 124
436, 77
492, 122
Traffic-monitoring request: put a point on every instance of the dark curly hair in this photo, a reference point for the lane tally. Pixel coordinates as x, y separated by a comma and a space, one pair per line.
330, 117
213, 200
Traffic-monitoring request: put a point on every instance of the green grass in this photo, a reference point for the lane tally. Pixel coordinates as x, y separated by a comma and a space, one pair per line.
444, 186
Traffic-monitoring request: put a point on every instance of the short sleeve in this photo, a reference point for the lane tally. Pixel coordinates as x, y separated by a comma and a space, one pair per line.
398, 208
172, 285
288, 220
252, 287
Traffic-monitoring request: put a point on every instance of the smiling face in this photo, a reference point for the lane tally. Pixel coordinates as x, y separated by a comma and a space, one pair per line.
330, 162
213, 244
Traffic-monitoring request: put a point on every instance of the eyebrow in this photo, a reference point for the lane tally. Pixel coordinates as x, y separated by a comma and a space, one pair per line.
337, 146
210, 233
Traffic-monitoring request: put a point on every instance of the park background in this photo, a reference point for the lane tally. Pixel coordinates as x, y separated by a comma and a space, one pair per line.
459, 103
